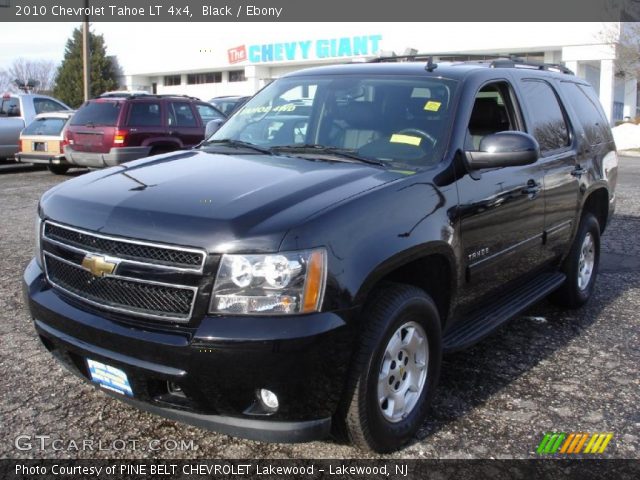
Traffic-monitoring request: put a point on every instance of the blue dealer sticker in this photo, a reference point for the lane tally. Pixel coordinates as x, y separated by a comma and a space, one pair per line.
109, 377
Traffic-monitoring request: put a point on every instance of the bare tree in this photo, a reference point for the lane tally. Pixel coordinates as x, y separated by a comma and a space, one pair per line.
626, 38
31, 75
5, 82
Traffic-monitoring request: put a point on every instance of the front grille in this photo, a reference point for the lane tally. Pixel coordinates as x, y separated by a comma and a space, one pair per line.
120, 293
150, 280
139, 251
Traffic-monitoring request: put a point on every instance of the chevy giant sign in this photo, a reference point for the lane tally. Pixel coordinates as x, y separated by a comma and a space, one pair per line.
306, 49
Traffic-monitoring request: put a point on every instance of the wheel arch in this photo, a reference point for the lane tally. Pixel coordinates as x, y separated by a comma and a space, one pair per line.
596, 202
429, 267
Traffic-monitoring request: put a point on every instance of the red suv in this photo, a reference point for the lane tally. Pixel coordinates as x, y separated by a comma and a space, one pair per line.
109, 130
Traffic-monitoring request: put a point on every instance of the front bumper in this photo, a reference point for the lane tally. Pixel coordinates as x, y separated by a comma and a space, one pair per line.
219, 366
116, 156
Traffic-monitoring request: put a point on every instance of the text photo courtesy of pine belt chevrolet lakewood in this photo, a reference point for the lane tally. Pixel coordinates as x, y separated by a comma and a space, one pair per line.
302, 271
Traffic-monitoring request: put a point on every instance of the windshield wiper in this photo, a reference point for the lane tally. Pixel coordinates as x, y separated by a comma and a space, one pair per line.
317, 148
228, 142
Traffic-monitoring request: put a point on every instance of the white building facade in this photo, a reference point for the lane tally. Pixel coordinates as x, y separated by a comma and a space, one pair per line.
249, 56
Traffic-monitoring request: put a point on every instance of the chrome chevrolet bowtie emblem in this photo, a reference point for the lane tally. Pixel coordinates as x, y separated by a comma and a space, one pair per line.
98, 265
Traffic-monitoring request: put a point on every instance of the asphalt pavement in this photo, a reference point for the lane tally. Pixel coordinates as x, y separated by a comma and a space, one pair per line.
548, 370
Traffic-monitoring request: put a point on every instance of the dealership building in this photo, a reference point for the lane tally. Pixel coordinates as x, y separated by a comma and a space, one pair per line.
242, 60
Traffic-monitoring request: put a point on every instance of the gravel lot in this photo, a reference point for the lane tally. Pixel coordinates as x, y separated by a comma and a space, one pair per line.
545, 371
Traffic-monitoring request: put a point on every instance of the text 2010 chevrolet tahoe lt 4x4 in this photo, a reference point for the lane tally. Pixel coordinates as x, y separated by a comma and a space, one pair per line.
308, 265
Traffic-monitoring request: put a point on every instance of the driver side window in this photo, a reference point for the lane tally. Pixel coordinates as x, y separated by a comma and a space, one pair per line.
492, 113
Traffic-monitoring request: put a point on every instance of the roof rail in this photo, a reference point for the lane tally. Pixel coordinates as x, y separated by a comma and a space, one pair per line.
418, 57
163, 95
515, 62
493, 60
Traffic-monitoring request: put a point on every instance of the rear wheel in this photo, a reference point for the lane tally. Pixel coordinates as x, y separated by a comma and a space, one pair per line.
160, 150
580, 266
58, 169
396, 369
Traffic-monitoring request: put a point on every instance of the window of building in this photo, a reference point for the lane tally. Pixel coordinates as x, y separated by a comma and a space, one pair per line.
172, 80
208, 77
237, 76
548, 124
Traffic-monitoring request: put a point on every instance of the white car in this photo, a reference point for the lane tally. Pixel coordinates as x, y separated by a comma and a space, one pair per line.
42, 141
16, 112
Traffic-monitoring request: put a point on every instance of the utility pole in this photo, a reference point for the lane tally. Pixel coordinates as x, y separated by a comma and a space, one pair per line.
85, 52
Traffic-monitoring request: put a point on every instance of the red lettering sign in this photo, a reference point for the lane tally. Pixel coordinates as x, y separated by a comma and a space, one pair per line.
237, 54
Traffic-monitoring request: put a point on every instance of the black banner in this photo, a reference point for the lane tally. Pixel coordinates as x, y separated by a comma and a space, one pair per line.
324, 11
392, 469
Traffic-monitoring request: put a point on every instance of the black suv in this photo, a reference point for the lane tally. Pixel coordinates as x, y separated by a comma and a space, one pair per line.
308, 265
119, 127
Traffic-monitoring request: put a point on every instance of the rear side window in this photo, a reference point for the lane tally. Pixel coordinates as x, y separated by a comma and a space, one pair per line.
10, 107
181, 115
547, 121
144, 114
45, 126
97, 113
588, 110
44, 105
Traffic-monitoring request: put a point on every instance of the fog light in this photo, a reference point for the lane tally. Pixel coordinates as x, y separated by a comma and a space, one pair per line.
175, 389
269, 399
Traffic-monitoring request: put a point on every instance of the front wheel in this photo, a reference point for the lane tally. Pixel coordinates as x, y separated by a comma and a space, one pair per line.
580, 266
396, 369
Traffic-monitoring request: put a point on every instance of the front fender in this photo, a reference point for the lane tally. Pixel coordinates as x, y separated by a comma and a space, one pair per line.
370, 235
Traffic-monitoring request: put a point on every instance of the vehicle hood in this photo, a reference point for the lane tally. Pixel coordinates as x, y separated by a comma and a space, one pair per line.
223, 203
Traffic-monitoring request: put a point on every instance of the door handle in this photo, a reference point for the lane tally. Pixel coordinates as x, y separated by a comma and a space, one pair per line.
578, 171
532, 189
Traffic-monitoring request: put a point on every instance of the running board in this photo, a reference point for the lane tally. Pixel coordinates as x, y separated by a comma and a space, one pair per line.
486, 319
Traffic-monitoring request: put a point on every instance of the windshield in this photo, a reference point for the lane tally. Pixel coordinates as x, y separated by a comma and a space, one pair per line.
395, 120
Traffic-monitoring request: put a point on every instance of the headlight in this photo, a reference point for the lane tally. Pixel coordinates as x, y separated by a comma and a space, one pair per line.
281, 283
38, 250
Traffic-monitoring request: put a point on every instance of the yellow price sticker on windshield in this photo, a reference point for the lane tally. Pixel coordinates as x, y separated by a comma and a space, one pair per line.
432, 106
408, 139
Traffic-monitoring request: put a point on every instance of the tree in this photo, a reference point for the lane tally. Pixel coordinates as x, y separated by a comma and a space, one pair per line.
38, 74
5, 83
104, 71
626, 38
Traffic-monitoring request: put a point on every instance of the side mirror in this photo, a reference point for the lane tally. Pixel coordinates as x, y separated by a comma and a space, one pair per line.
504, 149
212, 127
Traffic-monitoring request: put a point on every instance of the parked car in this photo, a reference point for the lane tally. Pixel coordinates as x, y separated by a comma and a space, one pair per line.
18, 111
108, 131
42, 141
228, 104
305, 271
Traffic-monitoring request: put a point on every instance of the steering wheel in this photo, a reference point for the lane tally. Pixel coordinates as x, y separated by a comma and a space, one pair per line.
419, 133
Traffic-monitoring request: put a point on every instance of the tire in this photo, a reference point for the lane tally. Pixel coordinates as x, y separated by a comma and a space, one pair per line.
160, 150
580, 266
58, 169
387, 363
